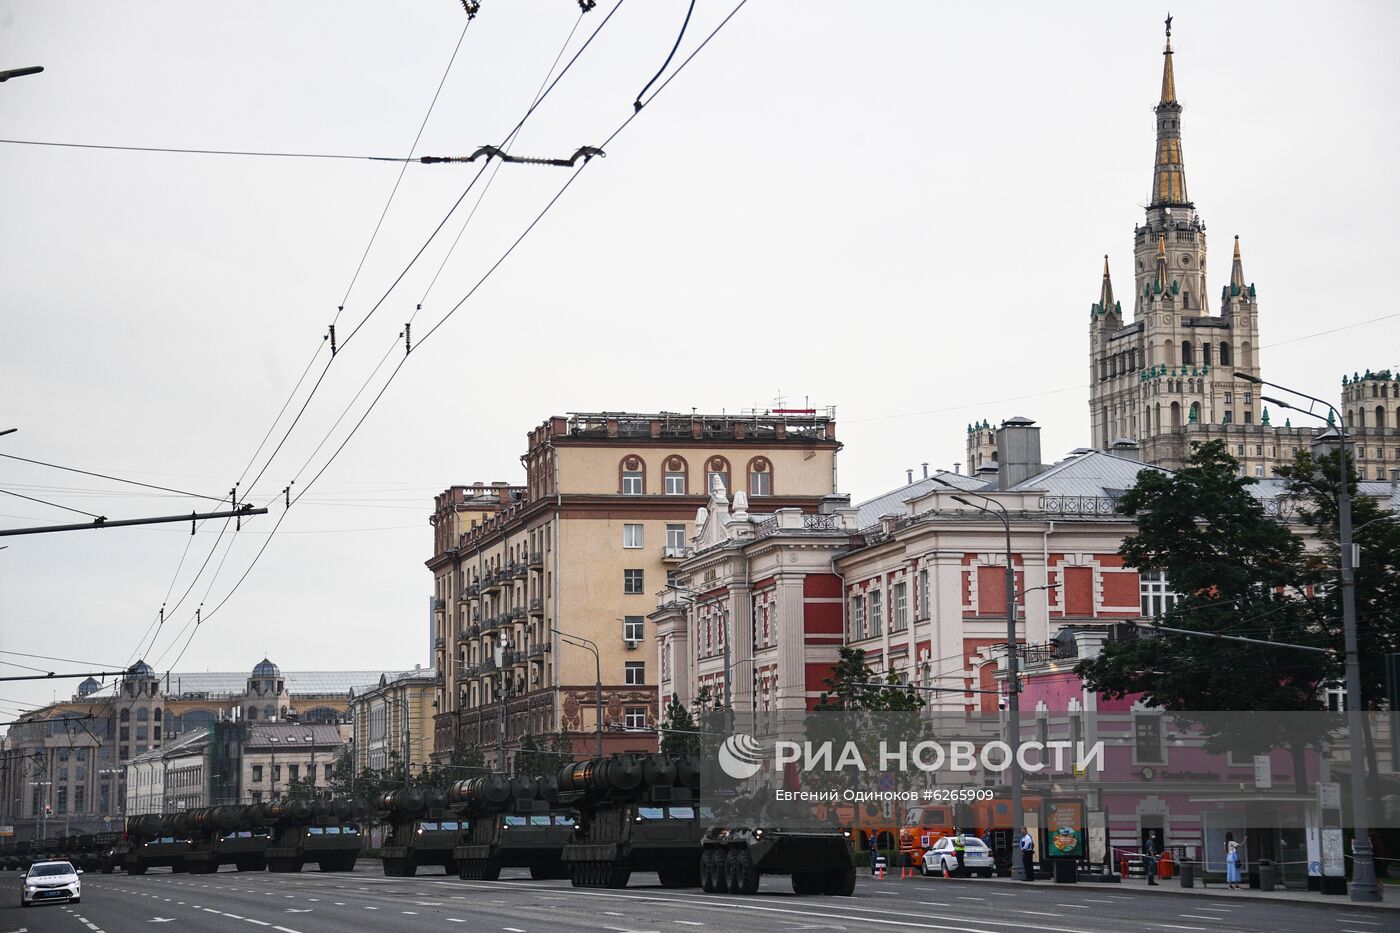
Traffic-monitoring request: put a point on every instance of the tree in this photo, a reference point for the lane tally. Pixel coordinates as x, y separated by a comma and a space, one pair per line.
679, 732
1238, 572
545, 755
853, 686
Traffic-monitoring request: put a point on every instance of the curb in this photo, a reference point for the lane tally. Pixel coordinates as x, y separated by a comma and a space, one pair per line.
1329, 901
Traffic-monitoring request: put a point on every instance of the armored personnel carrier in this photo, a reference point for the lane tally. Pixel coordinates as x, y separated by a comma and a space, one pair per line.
234, 834
323, 832
634, 814
422, 831
511, 822
153, 841
756, 835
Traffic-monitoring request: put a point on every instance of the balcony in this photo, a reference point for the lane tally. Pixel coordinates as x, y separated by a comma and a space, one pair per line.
539, 649
674, 554
486, 666
516, 614
516, 570
439, 605
489, 623
511, 658
537, 606
537, 560
471, 631
492, 582
439, 643
473, 590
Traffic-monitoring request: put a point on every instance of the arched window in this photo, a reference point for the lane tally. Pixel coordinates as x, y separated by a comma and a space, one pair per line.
157, 714
1224, 354
125, 715
1169, 353
716, 466
1380, 416
676, 476
252, 712
1205, 354
760, 477
632, 476
1188, 356
1196, 412
269, 712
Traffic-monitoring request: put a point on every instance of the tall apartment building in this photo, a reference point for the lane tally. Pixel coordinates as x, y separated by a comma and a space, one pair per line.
1165, 378
570, 562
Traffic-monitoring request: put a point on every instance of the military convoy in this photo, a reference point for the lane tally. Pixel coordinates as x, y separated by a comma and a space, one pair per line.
596, 822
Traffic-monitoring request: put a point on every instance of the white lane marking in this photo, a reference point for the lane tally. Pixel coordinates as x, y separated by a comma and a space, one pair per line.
689, 923
1197, 917
513, 929
1075, 906
1173, 926
161, 920
1001, 894
409, 913
299, 910
261, 923
935, 903
964, 897
1216, 910
340, 903
1039, 913
371, 908
455, 920
285, 930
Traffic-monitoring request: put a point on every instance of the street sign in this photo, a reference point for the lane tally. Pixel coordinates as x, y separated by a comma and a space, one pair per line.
1329, 795
1333, 854
1263, 772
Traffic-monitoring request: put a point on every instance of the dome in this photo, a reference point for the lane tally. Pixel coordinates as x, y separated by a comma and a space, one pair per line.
266, 668
141, 669
88, 686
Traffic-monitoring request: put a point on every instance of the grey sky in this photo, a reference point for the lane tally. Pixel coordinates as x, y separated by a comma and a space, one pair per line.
896, 208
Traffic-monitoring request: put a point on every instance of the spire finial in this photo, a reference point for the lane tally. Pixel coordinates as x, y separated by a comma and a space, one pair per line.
1106, 302
1237, 272
1168, 79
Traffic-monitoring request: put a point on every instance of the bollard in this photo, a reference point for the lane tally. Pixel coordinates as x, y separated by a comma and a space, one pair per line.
1123, 867
1266, 875
1188, 874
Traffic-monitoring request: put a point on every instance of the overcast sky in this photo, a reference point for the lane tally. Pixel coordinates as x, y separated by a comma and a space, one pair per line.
899, 209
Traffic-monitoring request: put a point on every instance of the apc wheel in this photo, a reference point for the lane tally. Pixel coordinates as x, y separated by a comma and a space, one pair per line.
840, 882
138, 869
805, 883
743, 876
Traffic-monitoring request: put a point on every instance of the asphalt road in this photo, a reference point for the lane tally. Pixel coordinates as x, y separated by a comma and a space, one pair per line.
365, 900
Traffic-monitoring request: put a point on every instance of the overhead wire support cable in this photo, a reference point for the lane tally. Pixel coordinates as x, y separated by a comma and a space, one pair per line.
219, 152
495, 152
637, 104
66, 508
115, 479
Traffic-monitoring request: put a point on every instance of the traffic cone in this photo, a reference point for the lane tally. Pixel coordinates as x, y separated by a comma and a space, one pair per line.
945, 871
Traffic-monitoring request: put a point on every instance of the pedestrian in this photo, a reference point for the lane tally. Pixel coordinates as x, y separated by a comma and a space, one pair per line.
1232, 861
874, 851
1149, 856
1028, 853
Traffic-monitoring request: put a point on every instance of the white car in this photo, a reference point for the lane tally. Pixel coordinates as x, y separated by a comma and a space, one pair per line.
50, 881
976, 857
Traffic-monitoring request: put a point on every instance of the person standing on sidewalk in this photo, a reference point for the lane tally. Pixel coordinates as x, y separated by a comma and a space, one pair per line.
1149, 856
1028, 853
1232, 861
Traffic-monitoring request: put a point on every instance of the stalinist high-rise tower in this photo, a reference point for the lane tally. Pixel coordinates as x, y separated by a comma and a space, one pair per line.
1166, 376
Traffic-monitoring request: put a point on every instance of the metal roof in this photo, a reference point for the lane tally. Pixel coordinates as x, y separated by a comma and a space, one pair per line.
233, 683
892, 503
291, 735
1095, 473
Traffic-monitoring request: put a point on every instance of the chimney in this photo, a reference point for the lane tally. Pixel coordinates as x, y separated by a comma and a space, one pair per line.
925, 471
1127, 448
1018, 451
908, 477
957, 468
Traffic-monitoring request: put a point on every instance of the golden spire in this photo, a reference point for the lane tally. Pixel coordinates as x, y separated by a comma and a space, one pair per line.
1237, 271
1168, 80
1106, 301
1161, 285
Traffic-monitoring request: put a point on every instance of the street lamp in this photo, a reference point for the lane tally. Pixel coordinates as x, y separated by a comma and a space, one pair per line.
581, 642
1363, 878
1013, 680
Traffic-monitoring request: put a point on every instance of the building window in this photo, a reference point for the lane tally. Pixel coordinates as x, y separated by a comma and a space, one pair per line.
635, 717
716, 468
635, 673
276, 773
875, 621
632, 582
1148, 732
675, 538
633, 628
857, 618
632, 535
923, 595
293, 772
1158, 599
675, 477
1228, 398
257, 796
327, 774
633, 478
760, 477
257, 774
899, 609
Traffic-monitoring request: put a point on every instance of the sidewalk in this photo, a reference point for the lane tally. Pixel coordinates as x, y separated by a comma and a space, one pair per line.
1173, 888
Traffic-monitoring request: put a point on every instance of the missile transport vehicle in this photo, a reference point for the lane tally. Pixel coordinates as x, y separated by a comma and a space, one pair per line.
634, 814
152, 841
422, 831
510, 823
234, 834
302, 832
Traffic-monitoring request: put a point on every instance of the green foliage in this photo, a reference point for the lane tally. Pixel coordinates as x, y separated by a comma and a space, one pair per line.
679, 732
545, 755
853, 686
1239, 572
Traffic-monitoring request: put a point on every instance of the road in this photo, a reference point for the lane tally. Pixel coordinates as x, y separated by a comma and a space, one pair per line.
311, 902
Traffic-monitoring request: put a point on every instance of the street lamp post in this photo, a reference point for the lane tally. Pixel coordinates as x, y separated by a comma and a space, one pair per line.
1013, 679
9, 73
1363, 879
581, 642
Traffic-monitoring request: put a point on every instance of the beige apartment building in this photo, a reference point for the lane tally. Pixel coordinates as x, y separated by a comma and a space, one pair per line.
394, 716
548, 595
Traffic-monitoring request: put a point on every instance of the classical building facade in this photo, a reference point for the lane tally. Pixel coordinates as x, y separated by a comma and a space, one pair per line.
569, 563
72, 756
1165, 377
394, 717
